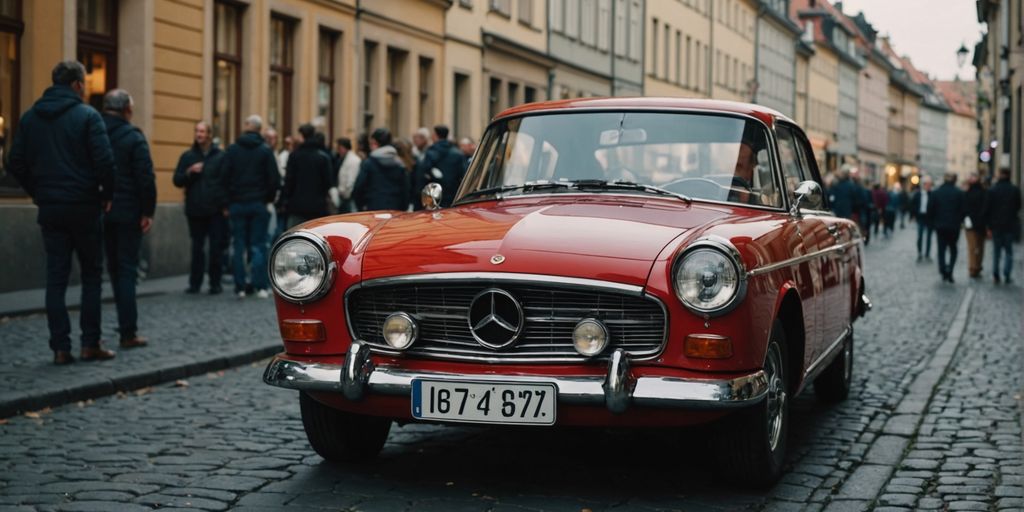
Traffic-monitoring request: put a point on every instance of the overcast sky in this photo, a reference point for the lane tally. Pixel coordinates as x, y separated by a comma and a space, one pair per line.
929, 31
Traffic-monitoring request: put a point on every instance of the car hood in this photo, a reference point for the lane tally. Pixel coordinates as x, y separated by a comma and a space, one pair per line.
597, 237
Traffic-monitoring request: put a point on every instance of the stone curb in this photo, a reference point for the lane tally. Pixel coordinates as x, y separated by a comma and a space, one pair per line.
174, 369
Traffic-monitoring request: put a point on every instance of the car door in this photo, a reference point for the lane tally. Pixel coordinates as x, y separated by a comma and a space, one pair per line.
834, 259
811, 238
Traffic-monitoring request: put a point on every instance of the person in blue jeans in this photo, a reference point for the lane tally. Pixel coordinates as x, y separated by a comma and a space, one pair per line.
1001, 213
919, 211
251, 181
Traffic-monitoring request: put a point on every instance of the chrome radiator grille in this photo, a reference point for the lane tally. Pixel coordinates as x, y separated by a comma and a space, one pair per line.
635, 324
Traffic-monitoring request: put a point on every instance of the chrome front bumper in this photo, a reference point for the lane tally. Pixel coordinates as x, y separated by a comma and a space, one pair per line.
616, 390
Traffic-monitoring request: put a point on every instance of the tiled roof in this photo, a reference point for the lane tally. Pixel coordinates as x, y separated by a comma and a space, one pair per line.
957, 95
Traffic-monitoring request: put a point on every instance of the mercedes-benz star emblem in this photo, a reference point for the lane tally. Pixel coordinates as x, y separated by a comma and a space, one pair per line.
495, 318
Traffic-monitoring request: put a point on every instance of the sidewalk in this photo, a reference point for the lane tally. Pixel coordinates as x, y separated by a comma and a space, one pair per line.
34, 301
188, 335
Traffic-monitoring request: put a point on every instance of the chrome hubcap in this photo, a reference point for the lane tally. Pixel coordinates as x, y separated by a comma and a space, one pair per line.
776, 395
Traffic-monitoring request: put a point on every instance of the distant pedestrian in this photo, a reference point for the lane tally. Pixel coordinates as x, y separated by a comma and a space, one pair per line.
843, 195
363, 146
420, 142
404, 149
198, 173
892, 208
278, 218
61, 156
443, 164
903, 199
919, 204
131, 212
947, 209
867, 210
880, 200
347, 170
468, 147
1002, 216
307, 180
382, 183
251, 181
975, 226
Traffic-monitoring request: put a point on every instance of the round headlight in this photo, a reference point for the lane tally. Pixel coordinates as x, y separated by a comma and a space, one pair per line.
706, 280
399, 330
298, 270
590, 337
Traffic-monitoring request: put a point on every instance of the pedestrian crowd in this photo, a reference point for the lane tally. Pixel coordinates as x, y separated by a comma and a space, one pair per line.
91, 175
982, 214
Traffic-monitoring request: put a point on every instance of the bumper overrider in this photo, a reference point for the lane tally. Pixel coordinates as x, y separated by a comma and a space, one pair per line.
617, 390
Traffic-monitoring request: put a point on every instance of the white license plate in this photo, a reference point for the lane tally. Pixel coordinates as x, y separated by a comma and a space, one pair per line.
484, 402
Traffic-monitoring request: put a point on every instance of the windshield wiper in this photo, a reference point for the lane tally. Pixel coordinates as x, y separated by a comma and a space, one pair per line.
629, 185
525, 187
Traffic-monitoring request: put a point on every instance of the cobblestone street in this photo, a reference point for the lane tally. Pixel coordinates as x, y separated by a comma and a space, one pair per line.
933, 423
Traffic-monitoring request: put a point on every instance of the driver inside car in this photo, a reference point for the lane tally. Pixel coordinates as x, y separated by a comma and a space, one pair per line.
743, 175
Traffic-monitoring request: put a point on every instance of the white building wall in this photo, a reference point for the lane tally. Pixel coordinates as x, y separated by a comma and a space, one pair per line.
776, 55
932, 141
847, 135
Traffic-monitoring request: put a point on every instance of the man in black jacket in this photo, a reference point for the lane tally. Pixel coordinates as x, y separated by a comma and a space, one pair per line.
1002, 210
131, 211
61, 156
442, 163
197, 173
251, 180
947, 208
975, 233
919, 208
307, 179
382, 182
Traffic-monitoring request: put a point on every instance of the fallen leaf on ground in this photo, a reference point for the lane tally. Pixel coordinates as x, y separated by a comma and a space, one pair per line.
32, 414
181, 383
143, 391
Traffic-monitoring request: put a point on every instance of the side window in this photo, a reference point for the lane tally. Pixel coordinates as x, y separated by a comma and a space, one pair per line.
807, 166
789, 154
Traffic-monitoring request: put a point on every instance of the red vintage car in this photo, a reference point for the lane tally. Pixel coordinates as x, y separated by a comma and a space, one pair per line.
606, 262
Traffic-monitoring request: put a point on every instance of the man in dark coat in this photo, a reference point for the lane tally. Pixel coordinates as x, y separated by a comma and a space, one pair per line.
251, 180
131, 212
919, 211
947, 209
307, 180
975, 232
61, 156
442, 163
843, 196
197, 172
382, 183
1001, 213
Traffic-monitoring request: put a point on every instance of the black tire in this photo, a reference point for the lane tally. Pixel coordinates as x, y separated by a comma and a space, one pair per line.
751, 445
340, 436
833, 384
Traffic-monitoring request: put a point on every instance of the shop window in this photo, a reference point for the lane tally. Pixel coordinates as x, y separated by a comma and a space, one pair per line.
11, 29
325, 77
282, 68
494, 98
97, 47
460, 115
227, 64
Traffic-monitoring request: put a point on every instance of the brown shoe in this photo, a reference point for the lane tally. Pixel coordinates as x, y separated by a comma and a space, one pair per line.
97, 353
135, 341
62, 357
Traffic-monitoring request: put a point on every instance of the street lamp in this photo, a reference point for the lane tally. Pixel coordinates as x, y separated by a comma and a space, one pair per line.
961, 55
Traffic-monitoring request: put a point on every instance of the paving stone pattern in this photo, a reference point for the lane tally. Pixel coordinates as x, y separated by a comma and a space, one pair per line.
931, 424
188, 335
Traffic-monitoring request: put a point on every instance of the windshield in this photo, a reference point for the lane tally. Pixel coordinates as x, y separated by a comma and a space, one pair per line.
712, 157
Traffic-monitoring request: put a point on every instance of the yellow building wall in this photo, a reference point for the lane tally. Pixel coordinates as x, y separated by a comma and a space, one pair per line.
177, 86
690, 23
734, 36
823, 95
41, 47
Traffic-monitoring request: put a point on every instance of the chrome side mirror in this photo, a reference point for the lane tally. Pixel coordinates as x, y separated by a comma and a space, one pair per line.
430, 196
808, 194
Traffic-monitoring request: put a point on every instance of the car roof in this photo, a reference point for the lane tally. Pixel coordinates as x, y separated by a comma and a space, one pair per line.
765, 114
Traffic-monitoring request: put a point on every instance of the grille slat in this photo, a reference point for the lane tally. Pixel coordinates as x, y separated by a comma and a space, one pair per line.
636, 324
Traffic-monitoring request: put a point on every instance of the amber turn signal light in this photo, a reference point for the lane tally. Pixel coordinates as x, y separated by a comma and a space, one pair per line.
707, 346
303, 331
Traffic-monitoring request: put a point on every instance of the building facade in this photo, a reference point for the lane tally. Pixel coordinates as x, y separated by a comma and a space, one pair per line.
904, 117
732, 44
933, 129
961, 127
999, 59
495, 57
777, 37
597, 47
873, 101
678, 45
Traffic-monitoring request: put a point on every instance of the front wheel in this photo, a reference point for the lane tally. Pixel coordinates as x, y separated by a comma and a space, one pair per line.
833, 385
752, 444
340, 436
